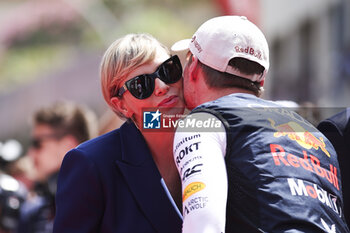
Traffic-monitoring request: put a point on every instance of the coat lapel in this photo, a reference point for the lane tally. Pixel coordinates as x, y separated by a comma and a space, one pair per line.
144, 180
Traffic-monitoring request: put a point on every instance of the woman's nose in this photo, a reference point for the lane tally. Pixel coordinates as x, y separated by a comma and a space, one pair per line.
160, 87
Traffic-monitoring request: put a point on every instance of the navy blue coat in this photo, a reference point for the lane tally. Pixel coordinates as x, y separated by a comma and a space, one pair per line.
337, 130
111, 184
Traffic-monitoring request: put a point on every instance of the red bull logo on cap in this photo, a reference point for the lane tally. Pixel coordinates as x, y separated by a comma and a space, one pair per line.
297, 133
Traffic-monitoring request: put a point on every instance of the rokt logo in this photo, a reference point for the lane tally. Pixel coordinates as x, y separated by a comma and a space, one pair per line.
151, 120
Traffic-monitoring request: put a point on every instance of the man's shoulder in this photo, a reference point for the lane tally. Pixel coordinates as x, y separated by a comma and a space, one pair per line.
239, 100
36, 213
339, 122
34, 205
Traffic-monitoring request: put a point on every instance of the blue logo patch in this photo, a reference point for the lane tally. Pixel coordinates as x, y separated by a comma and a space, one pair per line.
151, 120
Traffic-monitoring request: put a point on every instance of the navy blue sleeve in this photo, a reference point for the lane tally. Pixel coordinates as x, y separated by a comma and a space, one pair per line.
79, 198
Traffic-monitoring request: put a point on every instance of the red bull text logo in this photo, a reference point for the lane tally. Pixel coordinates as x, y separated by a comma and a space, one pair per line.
297, 133
309, 163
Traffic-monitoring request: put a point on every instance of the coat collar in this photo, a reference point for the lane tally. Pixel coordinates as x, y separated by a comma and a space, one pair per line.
144, 181
134, 147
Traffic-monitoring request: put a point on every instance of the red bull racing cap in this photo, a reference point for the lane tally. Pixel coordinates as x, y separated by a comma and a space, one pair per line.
220, 39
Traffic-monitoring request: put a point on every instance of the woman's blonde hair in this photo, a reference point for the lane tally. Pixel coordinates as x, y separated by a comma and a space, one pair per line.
124, 56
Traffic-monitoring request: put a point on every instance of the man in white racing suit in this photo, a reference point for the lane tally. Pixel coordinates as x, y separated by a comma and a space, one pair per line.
247, 164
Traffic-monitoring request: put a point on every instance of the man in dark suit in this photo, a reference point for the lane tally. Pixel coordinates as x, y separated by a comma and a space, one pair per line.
337, 130
57, 128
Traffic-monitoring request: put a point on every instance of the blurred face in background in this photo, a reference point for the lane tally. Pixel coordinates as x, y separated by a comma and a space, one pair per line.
47, 150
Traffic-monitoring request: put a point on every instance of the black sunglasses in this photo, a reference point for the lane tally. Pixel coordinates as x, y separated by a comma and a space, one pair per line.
142, 86
36, 142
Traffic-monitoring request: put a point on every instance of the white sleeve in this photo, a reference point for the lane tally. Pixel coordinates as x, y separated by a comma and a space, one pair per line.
199, 157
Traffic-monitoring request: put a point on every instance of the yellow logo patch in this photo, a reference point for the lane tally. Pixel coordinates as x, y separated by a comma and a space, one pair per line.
192, 189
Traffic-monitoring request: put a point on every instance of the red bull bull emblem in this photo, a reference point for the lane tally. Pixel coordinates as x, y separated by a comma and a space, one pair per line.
297, 133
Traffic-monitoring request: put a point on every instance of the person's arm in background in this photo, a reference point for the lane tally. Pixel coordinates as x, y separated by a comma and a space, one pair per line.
199, 157
79, 201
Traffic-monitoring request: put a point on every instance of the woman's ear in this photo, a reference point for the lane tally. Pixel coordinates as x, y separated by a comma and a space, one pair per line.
121, 107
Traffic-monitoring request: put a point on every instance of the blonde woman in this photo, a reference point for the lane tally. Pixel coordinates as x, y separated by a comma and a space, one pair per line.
126, 180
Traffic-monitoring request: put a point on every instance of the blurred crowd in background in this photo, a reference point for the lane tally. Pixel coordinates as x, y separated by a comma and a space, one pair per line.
50, 52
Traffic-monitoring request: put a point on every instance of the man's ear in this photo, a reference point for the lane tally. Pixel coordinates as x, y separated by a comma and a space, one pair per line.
66, 143
69, 142
262, 83
192, 69
121, 107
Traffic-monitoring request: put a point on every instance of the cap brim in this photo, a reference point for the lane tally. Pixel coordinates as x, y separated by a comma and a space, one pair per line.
181, 49
181, 45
